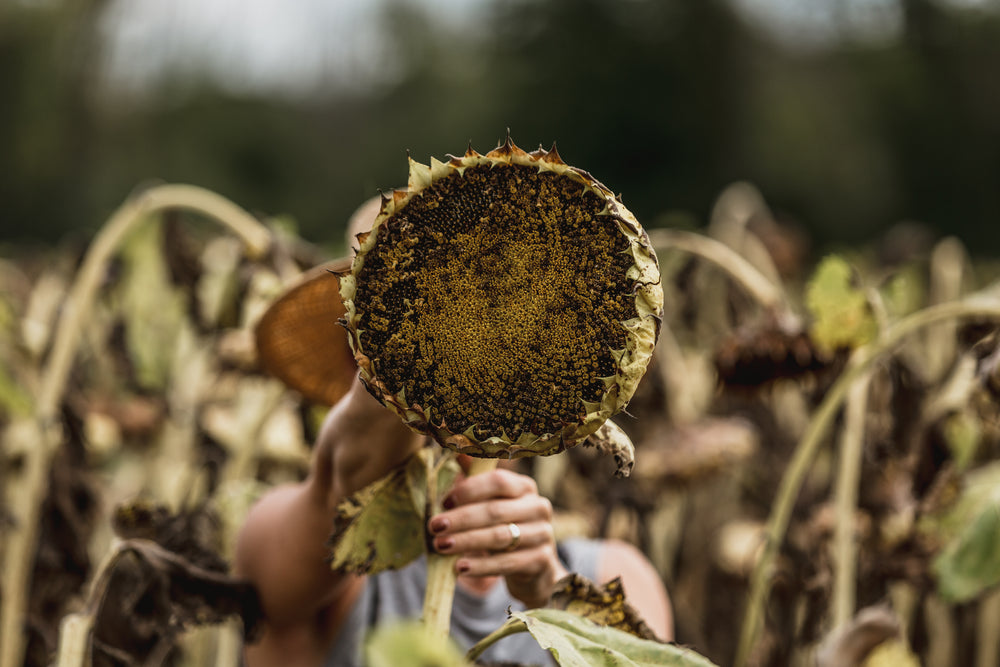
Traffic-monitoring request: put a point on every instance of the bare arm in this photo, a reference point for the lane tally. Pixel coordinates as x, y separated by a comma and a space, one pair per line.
644, 588
282, 544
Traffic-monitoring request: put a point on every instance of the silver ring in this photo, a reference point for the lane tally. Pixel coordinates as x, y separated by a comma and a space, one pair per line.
515, 536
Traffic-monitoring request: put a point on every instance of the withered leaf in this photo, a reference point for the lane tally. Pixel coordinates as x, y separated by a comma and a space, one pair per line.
611, 439
604, 605
147, 595
361, 544
760, 353
153, 309
192, 534
851, 644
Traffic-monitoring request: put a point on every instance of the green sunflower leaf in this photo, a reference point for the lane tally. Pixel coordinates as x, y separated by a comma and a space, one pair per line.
408, 644
575, 641
841, 315
969, 560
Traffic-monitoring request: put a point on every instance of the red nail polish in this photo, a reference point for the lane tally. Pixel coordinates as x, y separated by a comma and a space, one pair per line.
448, 503
462, 567
438, 525
444, 544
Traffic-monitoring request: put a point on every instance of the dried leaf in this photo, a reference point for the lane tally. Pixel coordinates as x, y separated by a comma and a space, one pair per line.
218, 286
192, 534
605, 605
67, 520
74, 639
153, 309
851, 645
360, 543
764, 352
611, 439
148, 596
42, 313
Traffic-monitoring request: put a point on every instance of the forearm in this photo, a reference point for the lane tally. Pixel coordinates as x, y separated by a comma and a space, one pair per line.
283, 548
360, 442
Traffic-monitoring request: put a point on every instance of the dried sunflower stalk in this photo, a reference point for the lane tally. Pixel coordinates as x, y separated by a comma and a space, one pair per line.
506, 304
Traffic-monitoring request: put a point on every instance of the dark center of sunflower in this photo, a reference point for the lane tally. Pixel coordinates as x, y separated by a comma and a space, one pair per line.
495, 298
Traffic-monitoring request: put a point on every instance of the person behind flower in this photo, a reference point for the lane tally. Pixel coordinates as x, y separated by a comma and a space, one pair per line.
496, 522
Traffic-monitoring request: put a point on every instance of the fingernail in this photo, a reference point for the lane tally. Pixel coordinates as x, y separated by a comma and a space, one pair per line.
462, 566
448, 503
439, 524
444, 544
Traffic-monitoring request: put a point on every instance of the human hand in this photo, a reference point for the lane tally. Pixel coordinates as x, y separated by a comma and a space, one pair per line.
476, 526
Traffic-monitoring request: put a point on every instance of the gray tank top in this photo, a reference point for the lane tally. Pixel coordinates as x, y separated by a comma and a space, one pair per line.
399, 594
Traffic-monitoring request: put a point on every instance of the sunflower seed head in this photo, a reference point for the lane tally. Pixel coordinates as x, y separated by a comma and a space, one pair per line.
507, 304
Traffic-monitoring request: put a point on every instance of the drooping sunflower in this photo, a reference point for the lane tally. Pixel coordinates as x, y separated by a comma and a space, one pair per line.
506, 304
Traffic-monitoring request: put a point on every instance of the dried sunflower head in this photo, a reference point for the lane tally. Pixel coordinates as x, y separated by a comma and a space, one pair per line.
507, 304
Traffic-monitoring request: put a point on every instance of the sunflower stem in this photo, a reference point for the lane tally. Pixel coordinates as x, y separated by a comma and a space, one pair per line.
441, 576
505, 630
845, 542
734, 264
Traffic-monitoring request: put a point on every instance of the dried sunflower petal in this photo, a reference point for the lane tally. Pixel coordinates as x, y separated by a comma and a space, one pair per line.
507, 304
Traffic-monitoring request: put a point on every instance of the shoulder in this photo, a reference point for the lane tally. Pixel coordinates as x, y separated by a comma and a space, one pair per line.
604, 559
616, 555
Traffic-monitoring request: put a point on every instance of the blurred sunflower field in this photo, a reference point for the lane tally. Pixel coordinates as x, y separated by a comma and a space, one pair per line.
817, 437
815, 472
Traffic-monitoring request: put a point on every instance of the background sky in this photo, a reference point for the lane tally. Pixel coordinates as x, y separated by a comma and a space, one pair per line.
295, 47
850, 116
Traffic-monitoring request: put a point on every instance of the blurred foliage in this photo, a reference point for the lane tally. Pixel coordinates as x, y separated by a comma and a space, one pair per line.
164, 446
409, 643
666, 101
841, 315
970, 563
